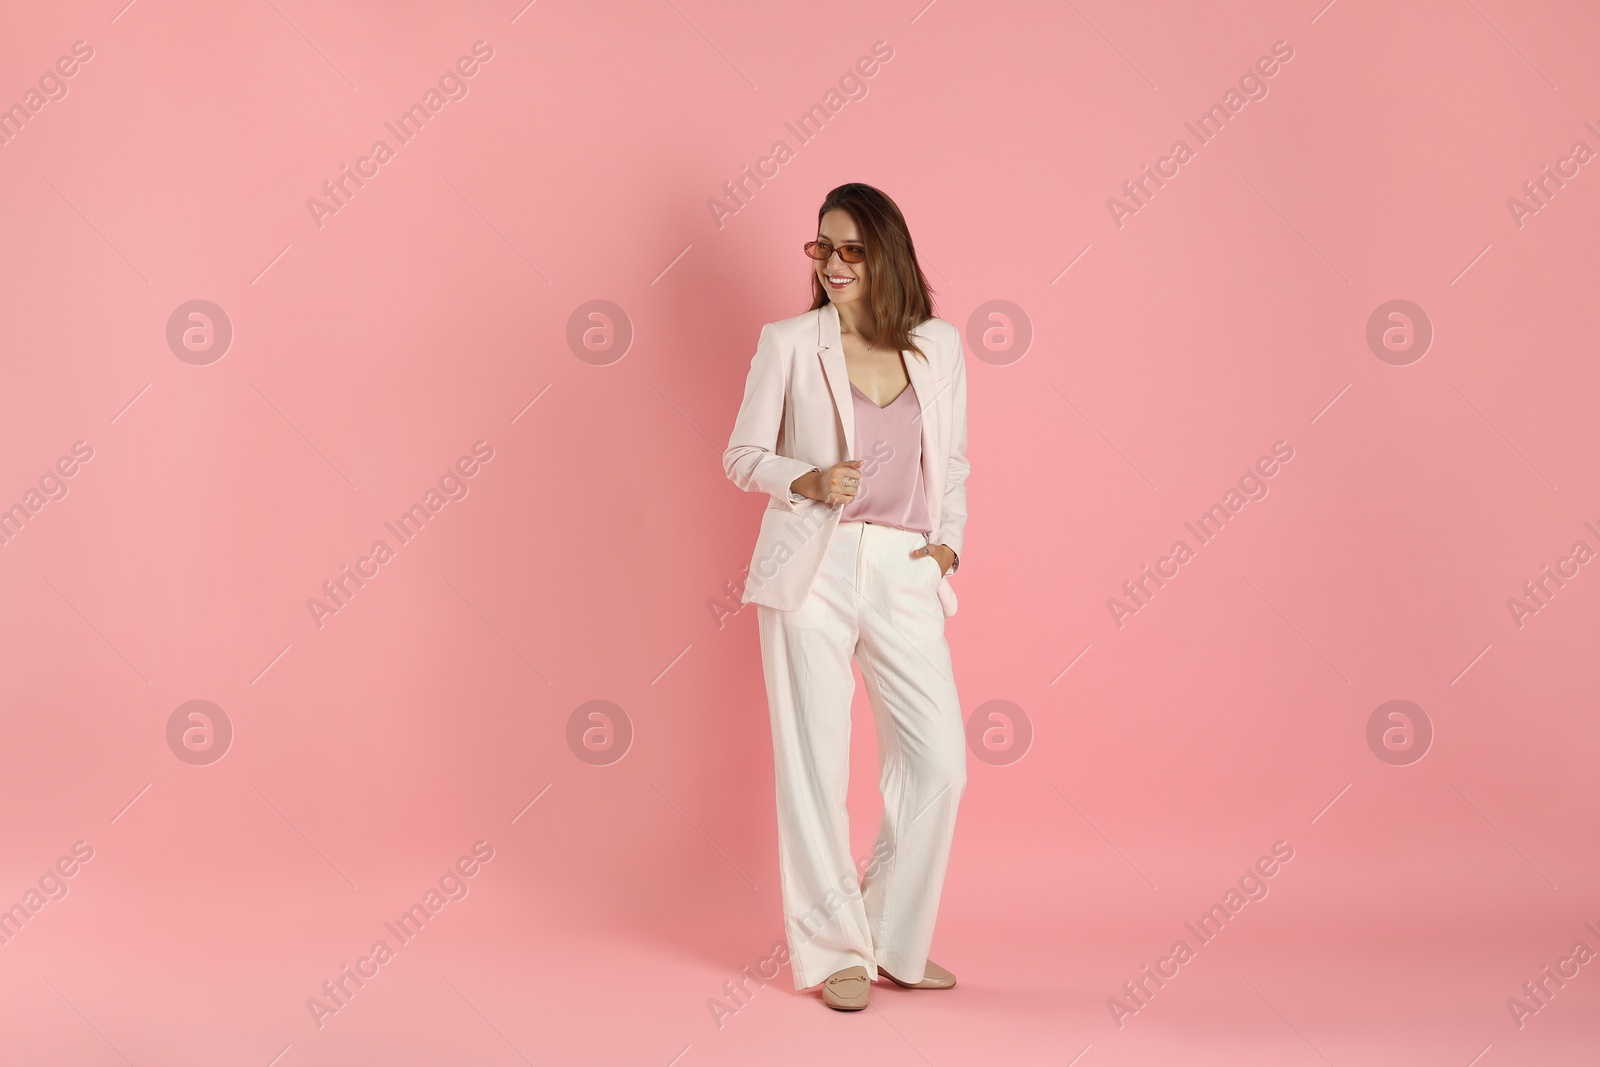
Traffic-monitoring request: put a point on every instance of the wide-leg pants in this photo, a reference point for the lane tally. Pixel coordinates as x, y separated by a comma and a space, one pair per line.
871, 601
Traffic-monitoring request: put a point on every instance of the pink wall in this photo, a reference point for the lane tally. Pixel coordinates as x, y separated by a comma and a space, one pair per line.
438, 317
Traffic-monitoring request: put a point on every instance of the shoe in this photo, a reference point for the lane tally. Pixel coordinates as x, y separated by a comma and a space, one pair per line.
847, 990
934, 977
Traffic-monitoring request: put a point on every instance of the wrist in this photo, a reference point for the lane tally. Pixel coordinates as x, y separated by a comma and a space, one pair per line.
805, 486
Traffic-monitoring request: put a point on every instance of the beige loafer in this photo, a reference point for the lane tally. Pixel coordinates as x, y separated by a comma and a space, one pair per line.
934, 977
847, 989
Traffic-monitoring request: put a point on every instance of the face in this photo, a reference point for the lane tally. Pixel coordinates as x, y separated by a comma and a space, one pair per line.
839, 229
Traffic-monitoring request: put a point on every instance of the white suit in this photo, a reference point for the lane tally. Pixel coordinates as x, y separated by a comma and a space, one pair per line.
828, 592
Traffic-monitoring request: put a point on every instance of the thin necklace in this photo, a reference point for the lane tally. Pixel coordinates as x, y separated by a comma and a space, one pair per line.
869, 347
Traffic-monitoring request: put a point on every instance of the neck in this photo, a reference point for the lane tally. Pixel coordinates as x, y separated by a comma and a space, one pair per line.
850, 321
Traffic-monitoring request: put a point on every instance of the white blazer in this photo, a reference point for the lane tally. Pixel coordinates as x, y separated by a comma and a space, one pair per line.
798, 415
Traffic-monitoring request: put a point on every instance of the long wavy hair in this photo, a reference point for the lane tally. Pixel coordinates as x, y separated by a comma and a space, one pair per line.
901, 298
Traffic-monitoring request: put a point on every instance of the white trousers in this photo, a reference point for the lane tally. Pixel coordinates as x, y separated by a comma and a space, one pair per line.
871, 601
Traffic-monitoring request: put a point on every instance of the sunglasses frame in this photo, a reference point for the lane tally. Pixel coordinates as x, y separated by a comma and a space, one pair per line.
853, 246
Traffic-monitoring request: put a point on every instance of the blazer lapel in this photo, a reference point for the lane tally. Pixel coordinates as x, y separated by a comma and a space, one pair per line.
922, 380
830, 348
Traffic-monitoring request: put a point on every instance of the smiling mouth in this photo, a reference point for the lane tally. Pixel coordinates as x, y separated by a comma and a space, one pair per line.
839, 281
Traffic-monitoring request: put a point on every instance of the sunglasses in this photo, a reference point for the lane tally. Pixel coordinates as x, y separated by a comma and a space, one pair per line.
848, 253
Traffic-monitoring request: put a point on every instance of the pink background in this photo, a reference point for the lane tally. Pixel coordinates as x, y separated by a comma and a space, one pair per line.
1167, 354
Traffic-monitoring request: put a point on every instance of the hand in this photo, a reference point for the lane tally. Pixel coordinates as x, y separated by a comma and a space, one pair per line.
939, 552
836, 485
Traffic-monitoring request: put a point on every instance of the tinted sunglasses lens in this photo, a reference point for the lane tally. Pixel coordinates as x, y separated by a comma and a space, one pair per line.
849, 253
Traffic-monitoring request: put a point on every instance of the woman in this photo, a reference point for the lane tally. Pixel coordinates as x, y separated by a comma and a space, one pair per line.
854, 421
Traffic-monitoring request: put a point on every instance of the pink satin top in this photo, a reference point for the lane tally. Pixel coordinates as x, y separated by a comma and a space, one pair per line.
889, 441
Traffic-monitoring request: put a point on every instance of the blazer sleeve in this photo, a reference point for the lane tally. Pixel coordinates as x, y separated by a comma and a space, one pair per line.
953, 509
751, 461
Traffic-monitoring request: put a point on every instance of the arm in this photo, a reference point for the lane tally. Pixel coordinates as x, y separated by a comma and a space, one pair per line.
750, 461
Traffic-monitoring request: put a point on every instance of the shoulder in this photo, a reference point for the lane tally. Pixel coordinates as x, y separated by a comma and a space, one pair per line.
796, 325
943, 340
790, 335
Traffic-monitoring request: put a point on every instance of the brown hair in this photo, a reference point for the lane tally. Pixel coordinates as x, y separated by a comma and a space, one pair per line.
901, 298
